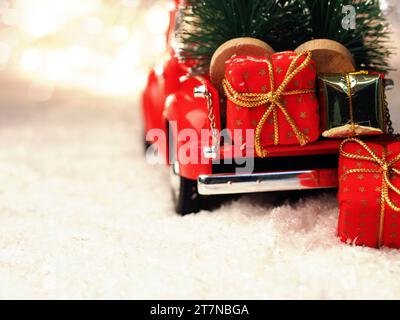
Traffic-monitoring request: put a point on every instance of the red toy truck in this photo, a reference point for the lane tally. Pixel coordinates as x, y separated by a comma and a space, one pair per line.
174, 102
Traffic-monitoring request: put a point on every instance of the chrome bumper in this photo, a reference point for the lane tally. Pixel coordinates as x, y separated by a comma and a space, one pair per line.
267, 182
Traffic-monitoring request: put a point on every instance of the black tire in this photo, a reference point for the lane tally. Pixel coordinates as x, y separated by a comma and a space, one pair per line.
146, 144
186, 198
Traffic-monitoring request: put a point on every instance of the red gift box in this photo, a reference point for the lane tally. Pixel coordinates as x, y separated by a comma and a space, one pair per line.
275, 96
369, 195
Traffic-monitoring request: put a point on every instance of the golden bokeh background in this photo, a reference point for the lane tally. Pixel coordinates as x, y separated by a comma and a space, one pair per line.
104, 46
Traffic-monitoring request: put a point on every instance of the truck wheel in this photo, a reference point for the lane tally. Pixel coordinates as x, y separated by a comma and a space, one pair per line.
145, 143
184, 193
186, 198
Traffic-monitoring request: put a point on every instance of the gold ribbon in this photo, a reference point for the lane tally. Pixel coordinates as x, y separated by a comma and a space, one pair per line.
351, 128
386, 169
350, 96
273, 101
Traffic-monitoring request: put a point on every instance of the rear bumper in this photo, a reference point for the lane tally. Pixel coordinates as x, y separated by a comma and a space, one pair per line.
217, 184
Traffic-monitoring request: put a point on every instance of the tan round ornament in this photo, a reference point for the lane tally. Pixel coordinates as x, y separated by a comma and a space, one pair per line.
330, 56
238, 46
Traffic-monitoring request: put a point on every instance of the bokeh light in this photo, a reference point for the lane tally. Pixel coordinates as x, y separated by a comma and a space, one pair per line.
157, 19
31, 60
105, 46
5, 52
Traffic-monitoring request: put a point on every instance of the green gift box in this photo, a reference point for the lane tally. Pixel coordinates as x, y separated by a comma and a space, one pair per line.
351, 104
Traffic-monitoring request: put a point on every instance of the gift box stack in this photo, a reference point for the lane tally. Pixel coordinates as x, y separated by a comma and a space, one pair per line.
277, 97
286, 101
319, 91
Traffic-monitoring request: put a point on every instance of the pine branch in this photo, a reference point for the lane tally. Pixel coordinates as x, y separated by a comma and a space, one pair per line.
284, 25
368, 42
207, 24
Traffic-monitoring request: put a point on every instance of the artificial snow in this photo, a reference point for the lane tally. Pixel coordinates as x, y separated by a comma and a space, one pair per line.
82, 215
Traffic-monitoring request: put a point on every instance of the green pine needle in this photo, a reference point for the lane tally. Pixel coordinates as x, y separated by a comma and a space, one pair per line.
207, 24
368, 42
283, 24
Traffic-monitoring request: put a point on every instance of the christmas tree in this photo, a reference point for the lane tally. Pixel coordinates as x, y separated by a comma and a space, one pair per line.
366, 39
284, 25
207, 24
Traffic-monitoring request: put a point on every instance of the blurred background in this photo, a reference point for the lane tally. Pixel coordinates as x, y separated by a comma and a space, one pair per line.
101, 46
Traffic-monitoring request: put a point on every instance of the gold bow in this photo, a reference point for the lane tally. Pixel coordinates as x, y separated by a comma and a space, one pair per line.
273, 99
386, 169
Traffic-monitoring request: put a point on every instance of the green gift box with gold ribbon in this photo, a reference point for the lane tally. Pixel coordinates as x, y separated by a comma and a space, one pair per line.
352, 104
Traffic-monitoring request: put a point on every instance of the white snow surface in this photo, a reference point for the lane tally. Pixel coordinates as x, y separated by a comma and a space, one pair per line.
82, 215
